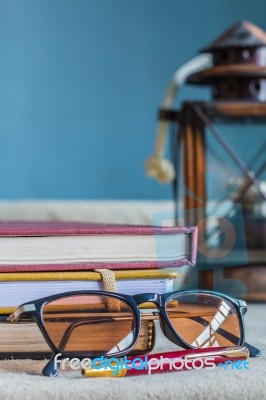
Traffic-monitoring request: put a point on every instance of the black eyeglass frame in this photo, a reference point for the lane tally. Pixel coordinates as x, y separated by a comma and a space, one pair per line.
33, 310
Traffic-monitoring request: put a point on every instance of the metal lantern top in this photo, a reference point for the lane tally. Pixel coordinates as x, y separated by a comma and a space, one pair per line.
239, 64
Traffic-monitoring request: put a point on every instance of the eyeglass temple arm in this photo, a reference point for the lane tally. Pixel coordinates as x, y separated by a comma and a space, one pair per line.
76, 324
253, 351
20, 312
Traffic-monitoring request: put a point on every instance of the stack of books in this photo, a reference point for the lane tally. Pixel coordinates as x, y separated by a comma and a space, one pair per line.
38, 259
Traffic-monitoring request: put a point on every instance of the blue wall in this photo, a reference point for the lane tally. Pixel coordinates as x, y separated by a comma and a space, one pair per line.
80, 83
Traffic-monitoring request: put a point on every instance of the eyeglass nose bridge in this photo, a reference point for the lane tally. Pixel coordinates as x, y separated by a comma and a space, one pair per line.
148, 298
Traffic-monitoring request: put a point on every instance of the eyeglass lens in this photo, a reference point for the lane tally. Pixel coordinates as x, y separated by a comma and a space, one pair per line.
89, 324
204, 320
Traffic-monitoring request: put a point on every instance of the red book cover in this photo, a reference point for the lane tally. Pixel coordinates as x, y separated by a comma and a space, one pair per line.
30, 229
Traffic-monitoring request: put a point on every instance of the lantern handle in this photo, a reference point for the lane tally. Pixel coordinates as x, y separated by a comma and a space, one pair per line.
157, 166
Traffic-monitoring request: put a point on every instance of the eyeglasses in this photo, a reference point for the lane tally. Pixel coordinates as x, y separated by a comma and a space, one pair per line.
98, 323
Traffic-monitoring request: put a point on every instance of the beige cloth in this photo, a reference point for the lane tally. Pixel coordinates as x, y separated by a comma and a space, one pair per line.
108, 211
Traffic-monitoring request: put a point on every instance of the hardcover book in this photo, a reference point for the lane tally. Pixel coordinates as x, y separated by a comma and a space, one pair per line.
19, 288
55, 246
